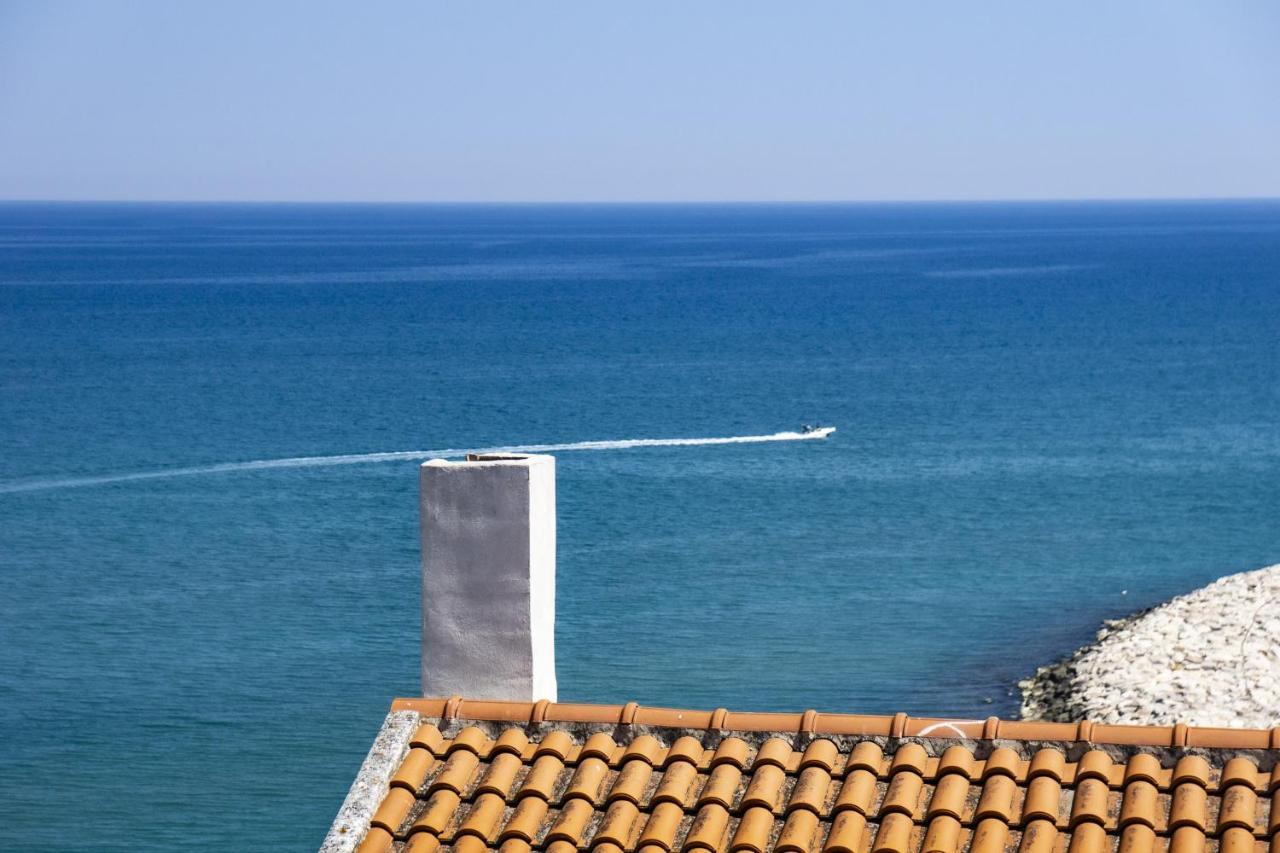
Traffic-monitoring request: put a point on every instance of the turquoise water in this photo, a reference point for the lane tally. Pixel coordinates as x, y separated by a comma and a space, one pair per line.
1048, 415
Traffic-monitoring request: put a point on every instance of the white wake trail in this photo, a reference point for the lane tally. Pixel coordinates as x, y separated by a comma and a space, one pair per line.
393, 456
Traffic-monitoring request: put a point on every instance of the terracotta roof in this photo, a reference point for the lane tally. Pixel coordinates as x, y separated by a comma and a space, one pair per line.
559, 778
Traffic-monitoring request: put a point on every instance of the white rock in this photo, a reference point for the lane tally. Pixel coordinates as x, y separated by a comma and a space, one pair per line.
1211, 657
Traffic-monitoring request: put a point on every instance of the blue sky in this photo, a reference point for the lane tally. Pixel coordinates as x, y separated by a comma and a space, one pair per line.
435, 101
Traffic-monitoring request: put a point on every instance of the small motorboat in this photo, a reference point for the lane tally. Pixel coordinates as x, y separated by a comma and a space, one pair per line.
816, 430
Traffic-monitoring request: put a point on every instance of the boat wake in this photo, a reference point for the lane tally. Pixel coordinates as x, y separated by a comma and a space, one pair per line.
47, 483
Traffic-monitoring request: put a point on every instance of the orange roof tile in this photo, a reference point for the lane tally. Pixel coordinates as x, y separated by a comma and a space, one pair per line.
524, 777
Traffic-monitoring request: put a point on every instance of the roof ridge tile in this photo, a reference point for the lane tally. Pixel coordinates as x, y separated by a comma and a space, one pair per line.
816, 723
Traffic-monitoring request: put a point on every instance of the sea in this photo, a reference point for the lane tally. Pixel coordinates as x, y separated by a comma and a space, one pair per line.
1048, 415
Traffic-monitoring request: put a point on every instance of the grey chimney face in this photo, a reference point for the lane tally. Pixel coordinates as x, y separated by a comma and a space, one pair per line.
488, 577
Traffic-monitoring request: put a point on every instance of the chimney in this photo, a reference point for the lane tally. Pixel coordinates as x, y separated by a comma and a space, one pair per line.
489, 577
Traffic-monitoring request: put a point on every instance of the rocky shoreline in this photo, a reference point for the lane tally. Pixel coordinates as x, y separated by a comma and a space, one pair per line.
1207, 658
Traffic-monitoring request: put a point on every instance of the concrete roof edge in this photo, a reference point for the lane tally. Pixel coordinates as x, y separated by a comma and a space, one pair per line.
372, 782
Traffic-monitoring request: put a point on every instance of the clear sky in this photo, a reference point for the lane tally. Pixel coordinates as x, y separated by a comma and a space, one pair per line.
688, 100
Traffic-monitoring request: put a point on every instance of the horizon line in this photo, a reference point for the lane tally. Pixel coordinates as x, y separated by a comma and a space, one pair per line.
654, 202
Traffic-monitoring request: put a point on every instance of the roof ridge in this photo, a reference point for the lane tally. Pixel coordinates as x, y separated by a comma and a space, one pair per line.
811, 722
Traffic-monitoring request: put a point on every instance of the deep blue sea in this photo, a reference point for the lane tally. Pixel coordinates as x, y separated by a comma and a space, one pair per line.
1049, 415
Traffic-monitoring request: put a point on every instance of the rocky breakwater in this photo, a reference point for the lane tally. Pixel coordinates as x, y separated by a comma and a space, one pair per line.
1208, 658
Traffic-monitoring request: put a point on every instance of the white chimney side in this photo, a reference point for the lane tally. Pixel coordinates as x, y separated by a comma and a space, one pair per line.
489, 577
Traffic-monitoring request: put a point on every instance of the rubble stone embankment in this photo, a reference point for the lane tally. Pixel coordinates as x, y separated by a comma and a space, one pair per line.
1207, 658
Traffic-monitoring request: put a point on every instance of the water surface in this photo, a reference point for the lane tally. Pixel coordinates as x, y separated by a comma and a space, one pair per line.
1049, 415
